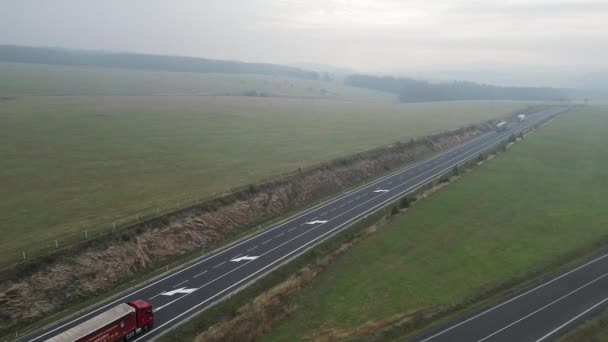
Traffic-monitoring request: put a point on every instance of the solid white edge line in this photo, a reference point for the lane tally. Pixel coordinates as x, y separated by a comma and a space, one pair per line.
544, 307
572, 320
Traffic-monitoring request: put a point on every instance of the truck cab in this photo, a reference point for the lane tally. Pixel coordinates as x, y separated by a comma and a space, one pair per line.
144, 315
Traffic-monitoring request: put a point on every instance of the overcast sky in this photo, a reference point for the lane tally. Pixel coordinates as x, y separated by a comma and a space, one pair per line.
369, 35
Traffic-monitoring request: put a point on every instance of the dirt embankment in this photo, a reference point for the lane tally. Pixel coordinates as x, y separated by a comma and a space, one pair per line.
86, 270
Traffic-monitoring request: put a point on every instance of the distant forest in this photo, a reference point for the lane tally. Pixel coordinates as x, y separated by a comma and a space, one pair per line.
22, 54
410, 90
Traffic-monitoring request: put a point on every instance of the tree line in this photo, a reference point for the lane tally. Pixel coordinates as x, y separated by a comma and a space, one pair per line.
411, 90
58, 56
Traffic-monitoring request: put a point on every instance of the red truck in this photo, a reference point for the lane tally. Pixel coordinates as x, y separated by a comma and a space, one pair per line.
119, 323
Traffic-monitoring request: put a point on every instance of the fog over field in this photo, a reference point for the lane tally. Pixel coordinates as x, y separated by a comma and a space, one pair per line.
534, 43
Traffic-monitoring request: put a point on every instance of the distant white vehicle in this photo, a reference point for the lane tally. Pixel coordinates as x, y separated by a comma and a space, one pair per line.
501, 126
521, 117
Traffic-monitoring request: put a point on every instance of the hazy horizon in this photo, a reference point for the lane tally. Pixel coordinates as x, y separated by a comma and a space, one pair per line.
528, 42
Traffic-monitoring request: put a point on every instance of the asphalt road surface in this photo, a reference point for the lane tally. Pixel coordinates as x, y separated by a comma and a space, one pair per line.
181, 293
541, 313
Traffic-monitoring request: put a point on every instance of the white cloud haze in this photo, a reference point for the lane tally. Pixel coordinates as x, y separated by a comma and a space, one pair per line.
372, 35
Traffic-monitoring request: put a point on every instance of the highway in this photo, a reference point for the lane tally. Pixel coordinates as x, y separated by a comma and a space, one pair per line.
184, 292
539, 313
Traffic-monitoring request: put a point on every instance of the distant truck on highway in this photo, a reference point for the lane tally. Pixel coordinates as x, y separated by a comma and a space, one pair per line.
521, 117
120, 323
501, 126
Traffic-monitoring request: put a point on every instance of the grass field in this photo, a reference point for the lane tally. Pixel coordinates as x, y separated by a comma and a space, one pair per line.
544, 198
75, 163
34, 79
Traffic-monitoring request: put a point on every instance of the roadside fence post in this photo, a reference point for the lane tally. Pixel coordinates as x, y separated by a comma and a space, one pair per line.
113, 226
56, 244
137, 217
23, 254
86, 234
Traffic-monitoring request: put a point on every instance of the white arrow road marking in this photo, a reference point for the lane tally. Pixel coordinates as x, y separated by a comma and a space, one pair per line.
380, 190
180, 290
316, 222
253, 257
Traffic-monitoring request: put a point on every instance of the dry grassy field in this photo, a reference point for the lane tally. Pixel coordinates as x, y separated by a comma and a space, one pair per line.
76, 156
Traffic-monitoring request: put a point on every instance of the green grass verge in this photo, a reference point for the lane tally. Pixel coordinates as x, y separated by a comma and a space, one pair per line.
539, 202
594, 330
79, 163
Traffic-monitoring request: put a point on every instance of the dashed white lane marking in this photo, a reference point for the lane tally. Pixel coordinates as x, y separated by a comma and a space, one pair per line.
349, 202
254, 247
246, 257
218, 265
317, 222
267, 241
155, 296
200, 274
381, 190
331, 210
279, 235
292, 228
180, 284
